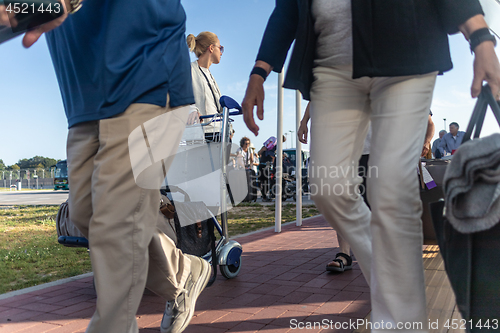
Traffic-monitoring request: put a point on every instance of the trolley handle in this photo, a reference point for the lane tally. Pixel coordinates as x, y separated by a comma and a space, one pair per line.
174, 189
210, 116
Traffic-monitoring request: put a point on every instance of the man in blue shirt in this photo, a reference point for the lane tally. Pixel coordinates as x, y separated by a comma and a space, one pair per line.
437, 150
452, 140
124, 73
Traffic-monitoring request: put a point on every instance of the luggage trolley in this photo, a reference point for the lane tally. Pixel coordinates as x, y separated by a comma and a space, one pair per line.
200, 170
228, 251
216, 154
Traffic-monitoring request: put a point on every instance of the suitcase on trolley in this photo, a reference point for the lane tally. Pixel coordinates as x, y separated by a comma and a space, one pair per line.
252, 186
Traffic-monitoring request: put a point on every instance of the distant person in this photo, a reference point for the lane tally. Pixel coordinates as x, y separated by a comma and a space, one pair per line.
452, 140
437, 150
267, 156
244, 154
256, 160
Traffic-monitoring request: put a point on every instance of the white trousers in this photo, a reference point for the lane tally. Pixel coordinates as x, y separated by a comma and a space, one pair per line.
387, 241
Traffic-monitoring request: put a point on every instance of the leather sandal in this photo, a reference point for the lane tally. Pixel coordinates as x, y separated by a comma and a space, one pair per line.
343, 267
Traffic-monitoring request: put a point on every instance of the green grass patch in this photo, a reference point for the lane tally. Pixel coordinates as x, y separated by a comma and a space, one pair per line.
30, 254
254, 216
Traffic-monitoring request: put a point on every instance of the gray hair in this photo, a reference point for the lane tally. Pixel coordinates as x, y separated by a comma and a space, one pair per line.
442, 131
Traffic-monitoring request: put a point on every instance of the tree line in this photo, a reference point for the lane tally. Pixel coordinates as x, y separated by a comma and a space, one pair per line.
37, 162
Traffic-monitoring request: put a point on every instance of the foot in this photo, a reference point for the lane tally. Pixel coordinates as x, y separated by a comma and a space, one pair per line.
178, 312
341, 263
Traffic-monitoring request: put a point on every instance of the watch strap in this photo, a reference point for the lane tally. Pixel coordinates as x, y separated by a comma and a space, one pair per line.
479, 36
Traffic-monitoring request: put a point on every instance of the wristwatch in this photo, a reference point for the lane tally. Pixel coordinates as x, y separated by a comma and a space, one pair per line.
73, 5
479, 36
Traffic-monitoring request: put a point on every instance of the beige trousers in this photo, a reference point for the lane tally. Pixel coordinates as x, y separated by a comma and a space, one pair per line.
119, 218
387, 241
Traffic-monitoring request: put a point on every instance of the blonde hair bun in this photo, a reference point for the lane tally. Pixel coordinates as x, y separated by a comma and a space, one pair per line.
191, 42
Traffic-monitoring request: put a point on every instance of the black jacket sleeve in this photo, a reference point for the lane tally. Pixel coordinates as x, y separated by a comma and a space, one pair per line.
455, 12
279, 34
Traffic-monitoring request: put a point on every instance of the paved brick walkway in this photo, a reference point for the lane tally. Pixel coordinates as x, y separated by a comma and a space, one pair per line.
283, 278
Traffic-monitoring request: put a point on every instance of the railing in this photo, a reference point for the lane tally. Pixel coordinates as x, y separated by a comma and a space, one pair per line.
37, 183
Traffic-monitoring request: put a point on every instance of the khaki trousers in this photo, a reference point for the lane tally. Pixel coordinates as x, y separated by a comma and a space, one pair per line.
119, 218
387, 241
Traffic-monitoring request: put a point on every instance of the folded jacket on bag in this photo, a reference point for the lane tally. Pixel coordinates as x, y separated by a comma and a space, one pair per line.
472, 186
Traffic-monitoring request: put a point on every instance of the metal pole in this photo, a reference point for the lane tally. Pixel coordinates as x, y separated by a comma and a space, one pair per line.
298, 162
224, 180
279, 155
444, 123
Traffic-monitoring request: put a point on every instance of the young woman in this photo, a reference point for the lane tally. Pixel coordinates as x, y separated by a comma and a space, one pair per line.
206, 46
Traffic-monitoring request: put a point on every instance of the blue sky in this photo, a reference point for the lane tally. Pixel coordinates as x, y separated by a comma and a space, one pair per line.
32, 118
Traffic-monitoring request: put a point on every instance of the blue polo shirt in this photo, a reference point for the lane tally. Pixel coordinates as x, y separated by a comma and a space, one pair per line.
449, 143
113, 53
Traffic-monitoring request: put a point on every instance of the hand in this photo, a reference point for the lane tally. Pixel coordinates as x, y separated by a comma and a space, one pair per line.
302, 132
193, 118
4, 17
426, 149
32, 36
254, 96
486, 68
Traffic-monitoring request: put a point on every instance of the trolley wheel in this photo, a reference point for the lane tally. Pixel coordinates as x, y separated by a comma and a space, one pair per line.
230, 271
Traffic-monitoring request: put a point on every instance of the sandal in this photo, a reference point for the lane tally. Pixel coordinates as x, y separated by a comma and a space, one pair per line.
343, 267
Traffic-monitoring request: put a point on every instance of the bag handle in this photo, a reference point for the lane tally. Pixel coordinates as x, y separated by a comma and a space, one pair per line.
479, 113
421, 175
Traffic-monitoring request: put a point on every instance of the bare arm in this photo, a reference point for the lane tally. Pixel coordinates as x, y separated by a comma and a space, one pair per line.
486, 66
254, 96
428, 136
302, 131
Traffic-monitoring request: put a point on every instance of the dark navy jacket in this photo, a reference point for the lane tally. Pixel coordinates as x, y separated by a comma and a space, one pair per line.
390, 37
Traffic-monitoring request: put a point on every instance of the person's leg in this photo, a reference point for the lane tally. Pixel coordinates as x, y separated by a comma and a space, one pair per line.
264, 182
339, 123
260, 177
122, 216
344, 246
400, 108
362, 172
82, 145
344, 249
